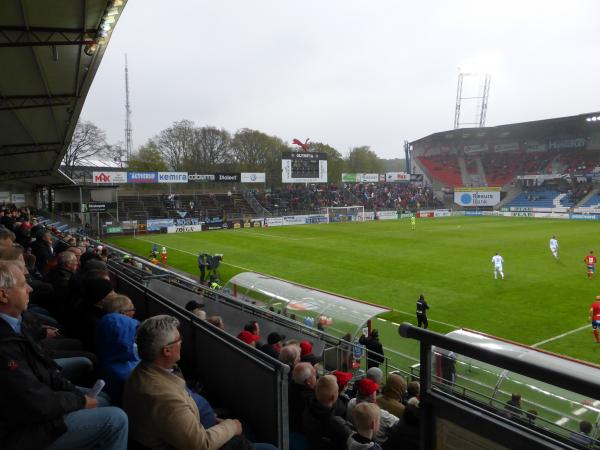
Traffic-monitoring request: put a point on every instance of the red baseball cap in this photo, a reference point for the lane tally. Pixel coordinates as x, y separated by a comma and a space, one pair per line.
343, 378
366, 386
305, 348
248, 337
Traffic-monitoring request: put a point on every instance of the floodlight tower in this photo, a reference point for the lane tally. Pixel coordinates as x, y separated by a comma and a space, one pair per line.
480, 96
128, 130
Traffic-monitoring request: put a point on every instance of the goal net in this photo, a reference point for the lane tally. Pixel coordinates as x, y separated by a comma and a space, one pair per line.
346, 213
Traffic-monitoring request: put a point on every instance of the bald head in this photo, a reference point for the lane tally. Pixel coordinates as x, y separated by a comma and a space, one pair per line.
305, 374
327, 390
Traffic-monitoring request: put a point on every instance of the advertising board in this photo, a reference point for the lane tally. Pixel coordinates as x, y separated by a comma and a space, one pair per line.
109, 177
157, 224
476, 198
142, 177
253, 177
172, 177
393, 177
387, 215
442, 213
184, 229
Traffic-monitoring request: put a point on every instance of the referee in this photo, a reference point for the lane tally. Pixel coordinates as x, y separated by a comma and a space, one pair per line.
422, 308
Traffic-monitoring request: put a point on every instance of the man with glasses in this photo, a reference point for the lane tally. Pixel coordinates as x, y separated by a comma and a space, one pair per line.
162, 412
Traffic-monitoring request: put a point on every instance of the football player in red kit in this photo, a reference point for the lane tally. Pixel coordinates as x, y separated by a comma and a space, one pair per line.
595, 317
590, 262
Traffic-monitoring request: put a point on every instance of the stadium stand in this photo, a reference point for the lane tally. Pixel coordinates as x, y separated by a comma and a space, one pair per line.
542, 199
445, 168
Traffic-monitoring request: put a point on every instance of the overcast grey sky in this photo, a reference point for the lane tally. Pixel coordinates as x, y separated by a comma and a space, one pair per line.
344, 72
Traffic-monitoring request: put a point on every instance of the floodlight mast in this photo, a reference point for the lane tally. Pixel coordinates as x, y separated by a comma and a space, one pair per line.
481, 98
128, 130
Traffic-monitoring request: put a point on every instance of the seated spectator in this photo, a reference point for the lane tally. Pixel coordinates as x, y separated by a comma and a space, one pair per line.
324, 430
405, 434
393, 393
306, 353
59, 277
118, 303
253, 327
301, 390
161, 411
513, 407
583, 437
341, 405
196, 309
7, 238
375, 374
52, 413
115, 345
367, 392
217, 321
248, 338
365, 418
89, 309
413, 390
273, 345
290, 355
43, 251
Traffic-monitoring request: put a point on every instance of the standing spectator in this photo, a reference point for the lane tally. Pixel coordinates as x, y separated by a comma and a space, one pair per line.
374, 349
273, 345
40, 408
422, 308
583, 437
202, 265
513, 407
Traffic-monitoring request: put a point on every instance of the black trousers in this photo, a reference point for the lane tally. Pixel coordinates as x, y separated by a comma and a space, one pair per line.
422, 319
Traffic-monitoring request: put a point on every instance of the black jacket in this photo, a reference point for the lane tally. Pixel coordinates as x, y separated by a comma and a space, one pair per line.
324, 430
34, 396
374, 350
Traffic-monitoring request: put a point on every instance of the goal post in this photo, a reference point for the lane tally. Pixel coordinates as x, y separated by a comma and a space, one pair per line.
345, 213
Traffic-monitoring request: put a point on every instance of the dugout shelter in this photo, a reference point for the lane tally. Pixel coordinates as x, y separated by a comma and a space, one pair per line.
338, 315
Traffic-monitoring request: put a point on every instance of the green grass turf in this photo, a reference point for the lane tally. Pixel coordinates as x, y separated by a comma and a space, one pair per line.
449, 260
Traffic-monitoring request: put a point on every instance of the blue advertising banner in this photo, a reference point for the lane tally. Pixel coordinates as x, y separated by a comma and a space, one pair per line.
142, 177
157, 224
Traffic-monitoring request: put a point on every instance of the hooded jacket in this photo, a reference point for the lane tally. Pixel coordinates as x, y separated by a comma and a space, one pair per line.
394, 390
34, 396
115, 337
358, 442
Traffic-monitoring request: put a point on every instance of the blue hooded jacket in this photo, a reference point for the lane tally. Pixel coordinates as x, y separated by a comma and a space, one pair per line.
115, 338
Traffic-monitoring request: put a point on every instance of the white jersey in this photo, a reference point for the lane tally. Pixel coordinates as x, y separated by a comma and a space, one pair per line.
497, 260
553, 244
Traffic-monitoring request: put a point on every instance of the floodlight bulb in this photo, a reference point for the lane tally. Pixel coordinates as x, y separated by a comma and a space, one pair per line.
594, 119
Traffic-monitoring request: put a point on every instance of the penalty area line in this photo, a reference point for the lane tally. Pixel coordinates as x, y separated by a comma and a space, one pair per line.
560, 336
190, 253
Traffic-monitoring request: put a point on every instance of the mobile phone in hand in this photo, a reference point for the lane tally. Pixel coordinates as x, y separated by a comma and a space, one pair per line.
98, 386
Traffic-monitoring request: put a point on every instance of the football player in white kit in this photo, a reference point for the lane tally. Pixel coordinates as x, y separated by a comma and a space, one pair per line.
497, 261
554, 246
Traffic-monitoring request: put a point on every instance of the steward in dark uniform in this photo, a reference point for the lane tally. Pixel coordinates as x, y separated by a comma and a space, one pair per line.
422, 308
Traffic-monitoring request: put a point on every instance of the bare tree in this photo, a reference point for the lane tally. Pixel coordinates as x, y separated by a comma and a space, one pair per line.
88, 140
177, 143
214, 147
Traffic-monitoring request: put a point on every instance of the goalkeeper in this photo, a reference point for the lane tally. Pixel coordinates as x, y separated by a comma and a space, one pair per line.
413, 222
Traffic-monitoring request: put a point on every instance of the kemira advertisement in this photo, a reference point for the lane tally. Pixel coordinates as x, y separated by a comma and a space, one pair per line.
477, 197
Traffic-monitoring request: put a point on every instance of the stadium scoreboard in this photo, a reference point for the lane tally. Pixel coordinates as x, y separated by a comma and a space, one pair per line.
300, 167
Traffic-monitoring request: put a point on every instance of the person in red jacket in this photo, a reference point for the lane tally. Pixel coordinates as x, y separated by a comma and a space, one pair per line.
595, 317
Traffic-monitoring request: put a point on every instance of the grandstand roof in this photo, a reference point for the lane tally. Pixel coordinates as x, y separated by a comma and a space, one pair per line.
560, 126
49, 54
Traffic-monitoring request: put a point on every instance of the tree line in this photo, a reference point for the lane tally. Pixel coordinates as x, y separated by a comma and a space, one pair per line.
185, 147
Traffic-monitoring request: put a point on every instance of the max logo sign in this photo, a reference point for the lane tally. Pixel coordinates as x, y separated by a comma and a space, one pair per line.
102, 178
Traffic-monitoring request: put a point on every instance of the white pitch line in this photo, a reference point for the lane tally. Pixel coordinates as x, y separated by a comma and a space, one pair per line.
561, 421
383, 320
193, 254
456, 327
395, 324
269, 235
560, 336
579, 411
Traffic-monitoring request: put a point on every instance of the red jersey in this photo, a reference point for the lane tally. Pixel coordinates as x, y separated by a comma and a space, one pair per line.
595, 310
590, 260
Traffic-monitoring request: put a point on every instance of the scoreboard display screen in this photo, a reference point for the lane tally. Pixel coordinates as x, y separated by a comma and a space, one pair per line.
300, 167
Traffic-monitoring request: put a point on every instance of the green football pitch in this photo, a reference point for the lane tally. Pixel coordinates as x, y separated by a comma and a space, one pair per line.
542, 301
448, 260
